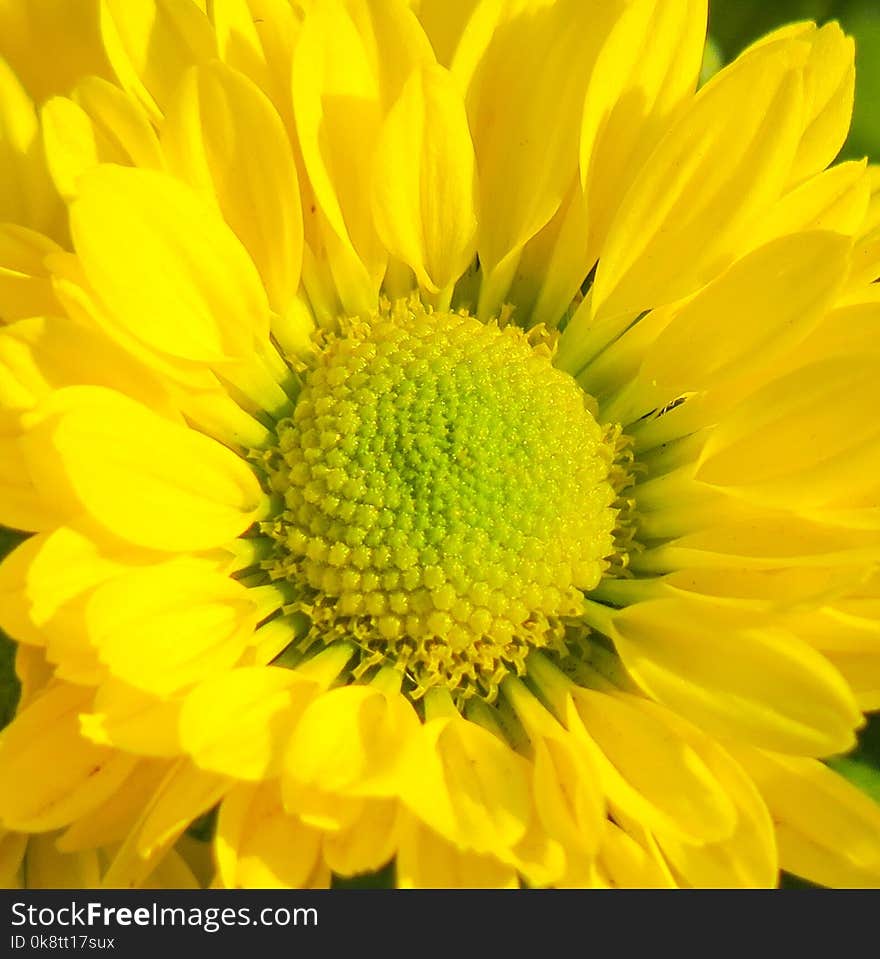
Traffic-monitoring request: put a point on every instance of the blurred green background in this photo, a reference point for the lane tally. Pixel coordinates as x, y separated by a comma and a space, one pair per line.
734, 24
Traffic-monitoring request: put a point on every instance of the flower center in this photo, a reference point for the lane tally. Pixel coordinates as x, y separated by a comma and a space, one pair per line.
446, 497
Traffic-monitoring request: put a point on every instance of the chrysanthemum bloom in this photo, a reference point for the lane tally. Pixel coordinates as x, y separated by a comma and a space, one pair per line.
449, 439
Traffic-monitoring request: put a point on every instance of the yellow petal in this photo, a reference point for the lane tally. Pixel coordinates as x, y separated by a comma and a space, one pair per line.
568, 796
264, 31
192, 291
95, 450
644, 73
328, 812
238, 723
172, 872
259, 846
184, 794
150, 44
46, 572
829, 88
98, 124
121, 120
25, 286
423, 199
73, 146
59, 775
828, 831
752, 682
736, 533
352, 59
165, 627
52, 43
748, 858
36, 353
468, 786
653, 771
444, 21
114, 819
238, 40
33, 672
353, 741
224, 137
127, 718
836, 199
367, 845
749, 315
631, 865
21, 505
707, 179
28, 198
554, 264
46, 867
524, 67
428, 861
12, 850
866, 258
789, 445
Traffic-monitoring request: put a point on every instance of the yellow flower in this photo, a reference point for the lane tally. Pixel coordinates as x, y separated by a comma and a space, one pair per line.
448, 438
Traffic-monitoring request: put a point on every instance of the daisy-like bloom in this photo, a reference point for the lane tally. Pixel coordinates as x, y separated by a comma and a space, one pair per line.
449, 439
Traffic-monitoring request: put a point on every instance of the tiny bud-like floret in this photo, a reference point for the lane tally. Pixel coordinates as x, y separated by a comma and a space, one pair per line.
446, 497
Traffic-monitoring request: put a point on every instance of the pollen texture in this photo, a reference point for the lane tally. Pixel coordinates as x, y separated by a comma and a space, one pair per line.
445, 497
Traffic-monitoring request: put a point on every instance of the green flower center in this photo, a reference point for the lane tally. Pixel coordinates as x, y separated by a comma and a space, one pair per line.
446, 497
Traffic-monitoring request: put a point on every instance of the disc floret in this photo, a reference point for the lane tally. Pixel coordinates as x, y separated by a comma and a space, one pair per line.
446, 496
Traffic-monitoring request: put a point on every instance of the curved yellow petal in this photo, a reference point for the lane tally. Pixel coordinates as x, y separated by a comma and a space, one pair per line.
748, 859
47, 867
165, 627
224, 137
260, 846
151, 43
789, 445
567, 790
184, 794
351, 61
113, 820
99, 452
367, 845
748, 316
46, 572
644, 74
99, 123
829, 90
354, 741
52, 43
127, 718
59, 775
757, 684
468, 786
35, 357
524, 66
651, 768
25, 284
706, 180
426, 860
423, 199
192, 291
631, 864
238, 723
836, 199
28, 197
828, 831
444, 21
